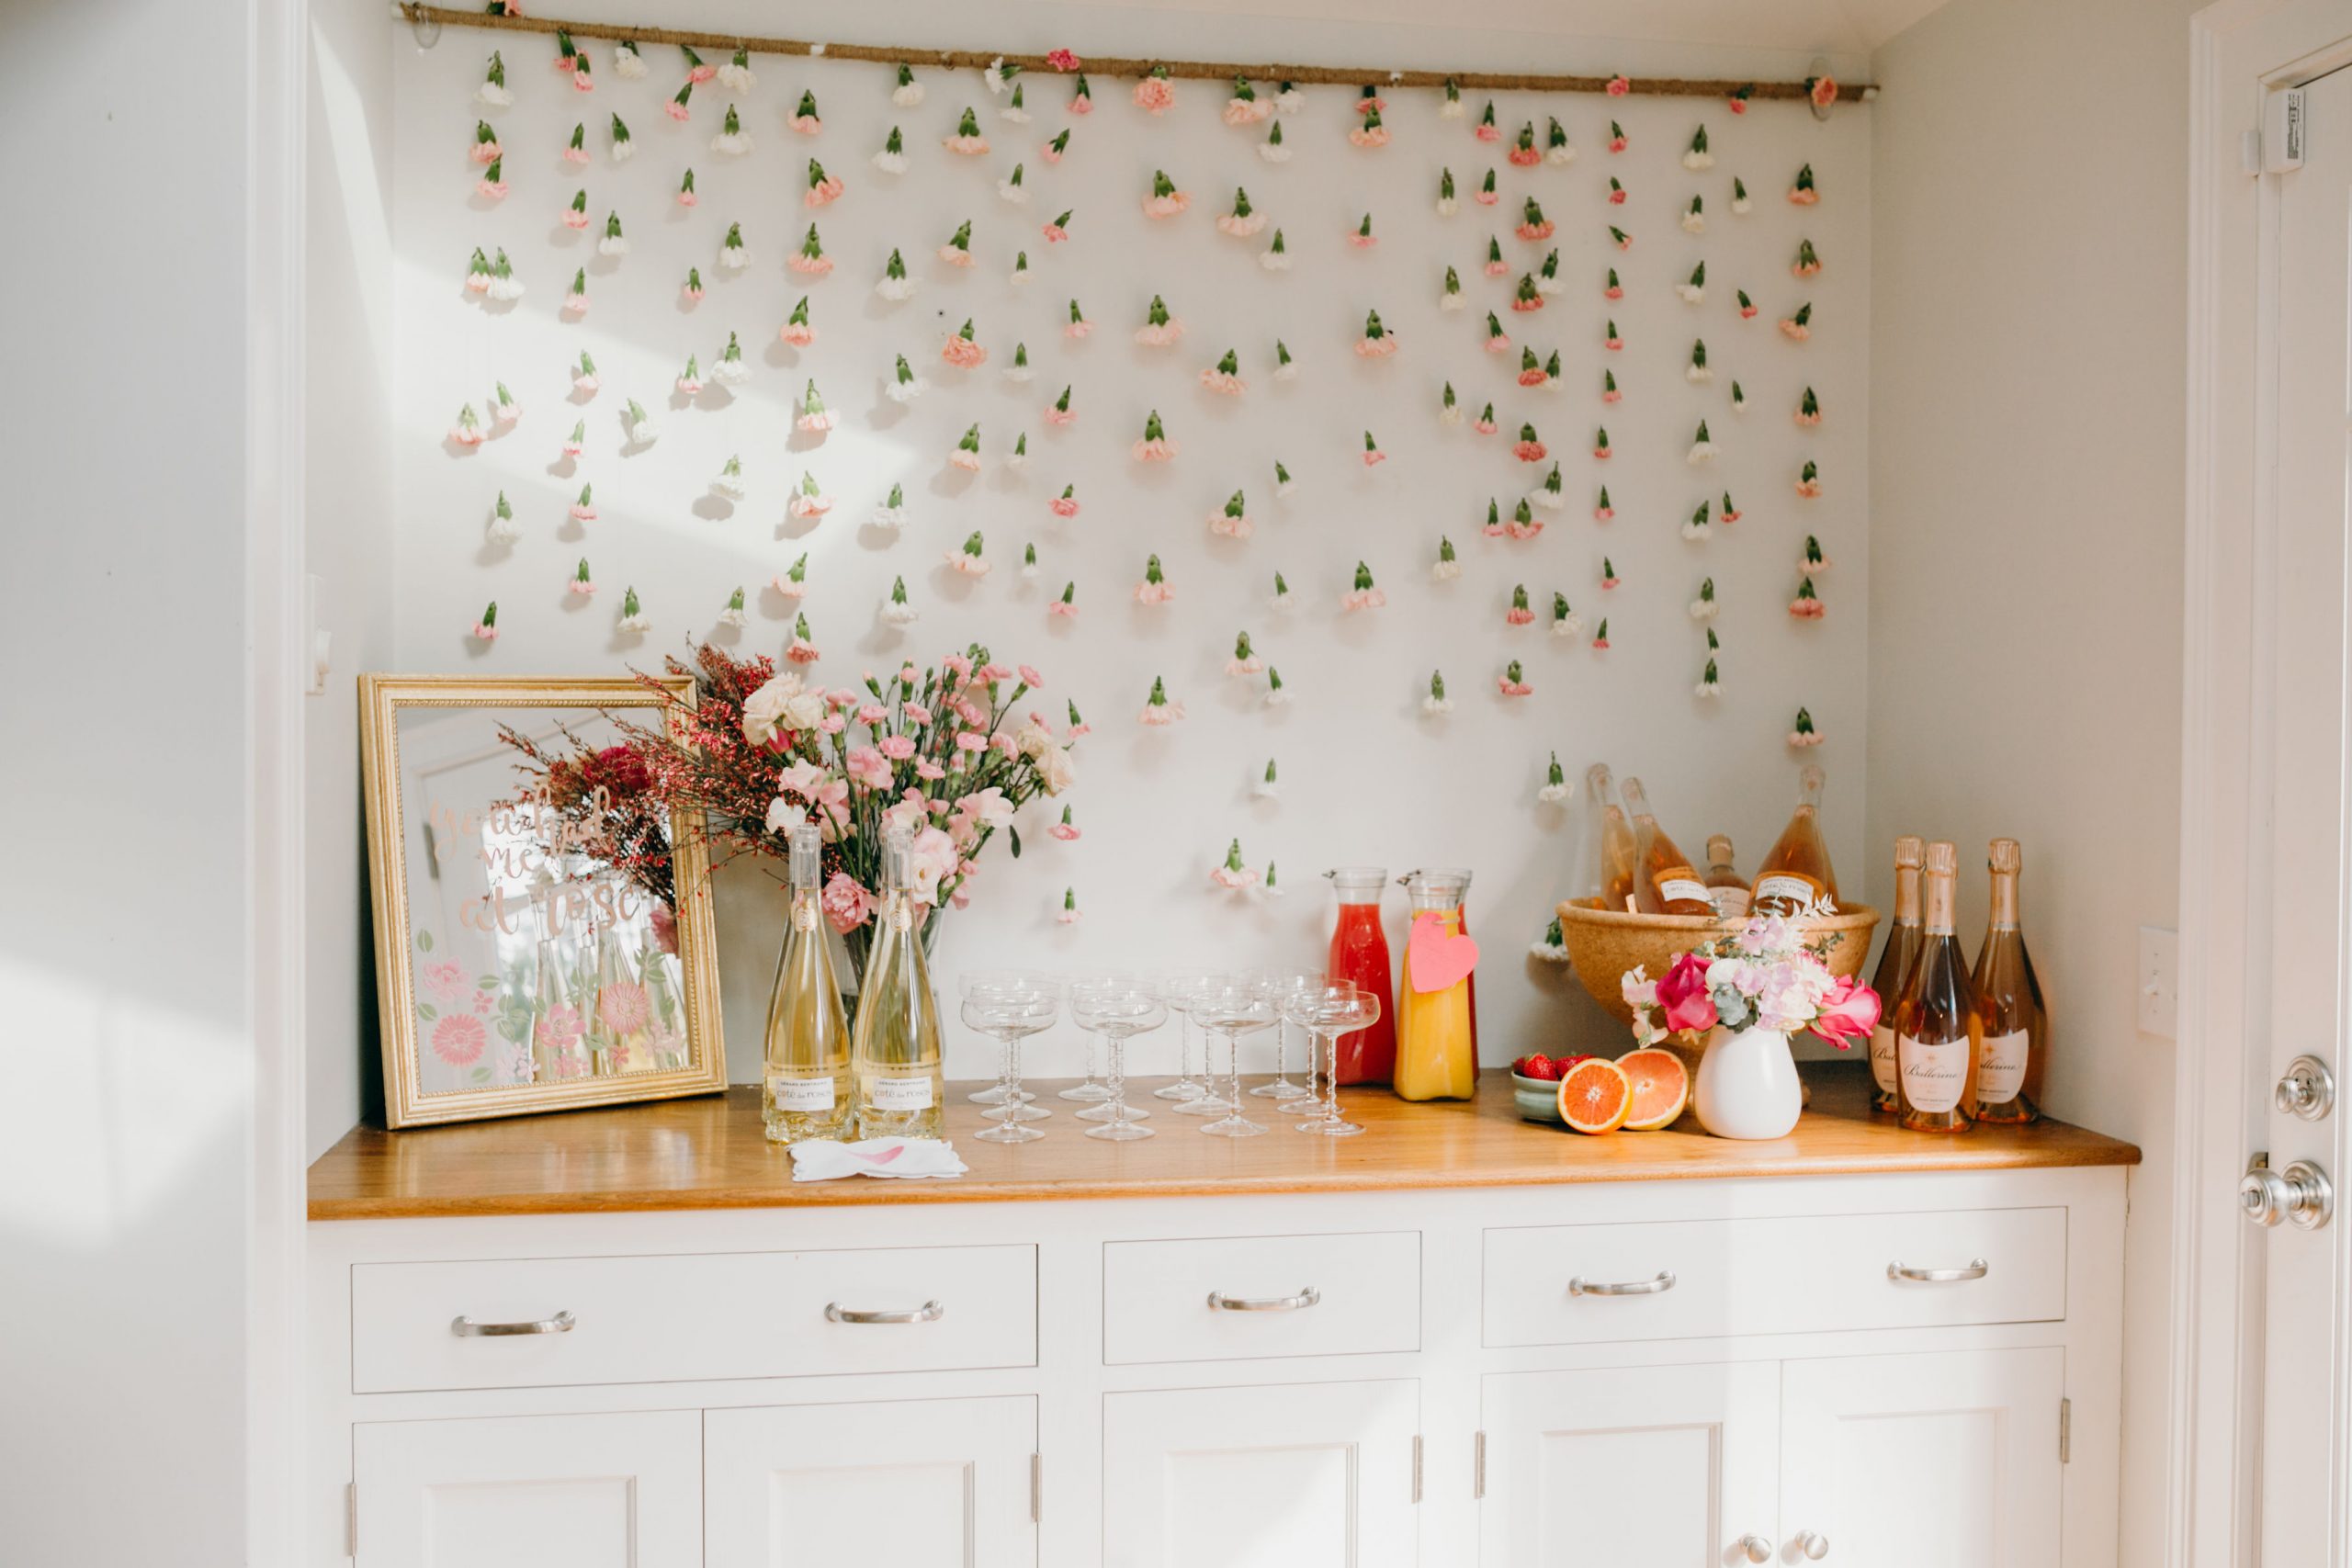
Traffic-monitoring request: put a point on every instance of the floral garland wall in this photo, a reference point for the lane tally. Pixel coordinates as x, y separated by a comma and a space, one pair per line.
1302, 333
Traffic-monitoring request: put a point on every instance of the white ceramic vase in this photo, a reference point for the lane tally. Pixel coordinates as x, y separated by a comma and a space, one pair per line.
1747, 1085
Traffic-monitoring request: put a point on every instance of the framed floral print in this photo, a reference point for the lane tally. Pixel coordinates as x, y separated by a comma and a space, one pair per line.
542, 923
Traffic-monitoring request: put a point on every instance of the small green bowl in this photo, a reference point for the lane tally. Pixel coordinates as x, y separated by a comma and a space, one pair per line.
1538, 1099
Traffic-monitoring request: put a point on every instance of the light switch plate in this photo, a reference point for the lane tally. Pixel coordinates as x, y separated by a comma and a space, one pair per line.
2159, 983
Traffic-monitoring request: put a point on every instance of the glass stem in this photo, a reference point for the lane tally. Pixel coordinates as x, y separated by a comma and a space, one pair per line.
1118, 1079
1332, 1083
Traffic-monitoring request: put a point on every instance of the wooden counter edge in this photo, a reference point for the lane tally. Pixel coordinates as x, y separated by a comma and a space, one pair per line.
1687, 1157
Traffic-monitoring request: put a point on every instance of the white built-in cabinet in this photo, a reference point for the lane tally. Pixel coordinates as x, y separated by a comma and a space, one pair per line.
1913, 1371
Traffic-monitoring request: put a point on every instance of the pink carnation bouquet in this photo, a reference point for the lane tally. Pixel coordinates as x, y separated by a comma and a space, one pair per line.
1763, 974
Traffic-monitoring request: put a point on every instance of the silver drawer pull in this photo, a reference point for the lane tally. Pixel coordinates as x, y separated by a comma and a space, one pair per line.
1977, 1268
466, 1328
1663, 1281
1220, 1302
930, 1312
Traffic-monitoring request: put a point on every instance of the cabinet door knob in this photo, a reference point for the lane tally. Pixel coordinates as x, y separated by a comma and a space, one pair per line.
2308, 1090
1755, 1549
1977, 1268
930, 1312
1662, 1280
1220, 1302
466, 1328
2302, 1193
1814, 1545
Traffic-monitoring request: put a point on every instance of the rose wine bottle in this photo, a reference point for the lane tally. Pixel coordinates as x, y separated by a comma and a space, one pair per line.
1939, 1027
1727, 889
1795, 871
807, 1075
1664, 881
894, 1047
1894, 970
2017, 1028
1616, 840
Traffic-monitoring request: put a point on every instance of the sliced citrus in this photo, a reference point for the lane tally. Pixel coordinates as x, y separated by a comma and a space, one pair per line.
1661, 1088
1595, 1096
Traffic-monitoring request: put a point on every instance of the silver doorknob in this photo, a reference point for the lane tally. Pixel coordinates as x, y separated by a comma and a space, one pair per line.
1756, 1547
1814, 1545
2308, 1090
2300, 1192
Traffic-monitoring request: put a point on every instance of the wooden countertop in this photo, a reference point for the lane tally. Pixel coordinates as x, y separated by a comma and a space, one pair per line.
709, 1153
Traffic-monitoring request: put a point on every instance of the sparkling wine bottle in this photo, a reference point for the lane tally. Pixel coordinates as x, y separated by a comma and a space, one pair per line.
1727, 889
1796, 870
894, 1048
1894, 970
2017, 1028
807, 1076
1664, 881
1616, 840
1939, 1026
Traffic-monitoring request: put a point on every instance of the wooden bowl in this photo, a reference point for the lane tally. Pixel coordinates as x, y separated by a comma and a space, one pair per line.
1604, 943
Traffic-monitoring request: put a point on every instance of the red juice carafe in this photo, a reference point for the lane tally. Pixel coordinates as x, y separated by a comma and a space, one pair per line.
1360, 953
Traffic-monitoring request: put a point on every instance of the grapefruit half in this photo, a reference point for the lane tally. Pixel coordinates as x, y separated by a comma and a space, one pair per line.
1595, 1094
1661, 1088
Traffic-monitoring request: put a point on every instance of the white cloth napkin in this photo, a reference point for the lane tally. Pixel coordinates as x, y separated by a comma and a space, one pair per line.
824, 1159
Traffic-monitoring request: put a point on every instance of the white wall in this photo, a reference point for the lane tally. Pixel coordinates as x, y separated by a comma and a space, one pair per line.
350, 538
1367, 777
2027, 377
124, 950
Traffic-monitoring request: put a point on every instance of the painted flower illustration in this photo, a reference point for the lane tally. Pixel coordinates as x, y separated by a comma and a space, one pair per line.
459, 1039
623, 1008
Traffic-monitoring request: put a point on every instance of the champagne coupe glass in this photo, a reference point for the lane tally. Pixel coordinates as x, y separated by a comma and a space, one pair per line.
1178, 985
1099, 1106
1232, 1007
1118, 1010
1011, 1004
1295, 1006
1339, 1009
1279, 986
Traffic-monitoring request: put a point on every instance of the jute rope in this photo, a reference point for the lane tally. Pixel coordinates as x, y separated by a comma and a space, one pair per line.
1196, 70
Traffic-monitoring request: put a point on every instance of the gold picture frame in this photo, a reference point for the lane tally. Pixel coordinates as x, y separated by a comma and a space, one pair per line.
526, 974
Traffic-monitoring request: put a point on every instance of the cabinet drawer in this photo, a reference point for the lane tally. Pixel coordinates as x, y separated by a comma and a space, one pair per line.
1768, 1276
744, 1315
1237, 1298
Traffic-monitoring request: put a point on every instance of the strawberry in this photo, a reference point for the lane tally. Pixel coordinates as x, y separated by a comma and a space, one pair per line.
1538, 1066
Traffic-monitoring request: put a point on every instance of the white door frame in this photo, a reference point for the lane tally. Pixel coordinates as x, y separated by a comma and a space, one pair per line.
277, 34
2239, 50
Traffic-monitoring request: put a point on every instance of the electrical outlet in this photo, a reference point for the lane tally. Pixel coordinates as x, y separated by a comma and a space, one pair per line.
2159, 985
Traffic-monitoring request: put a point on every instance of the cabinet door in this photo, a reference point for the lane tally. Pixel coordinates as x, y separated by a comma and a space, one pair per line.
1923, 1461
1669, 1467
1304, 1475
585, 1491
901, 1484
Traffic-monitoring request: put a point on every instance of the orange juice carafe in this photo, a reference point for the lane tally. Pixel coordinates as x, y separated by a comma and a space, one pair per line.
1436, 1048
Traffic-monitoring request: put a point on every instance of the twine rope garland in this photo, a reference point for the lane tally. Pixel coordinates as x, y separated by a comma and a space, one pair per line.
1118, 66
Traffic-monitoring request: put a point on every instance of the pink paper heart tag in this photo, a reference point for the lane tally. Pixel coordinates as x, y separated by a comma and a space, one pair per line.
1438, 962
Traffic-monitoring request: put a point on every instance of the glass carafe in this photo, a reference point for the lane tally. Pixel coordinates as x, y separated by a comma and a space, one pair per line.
1436, 1048
1360, 955
806, 1081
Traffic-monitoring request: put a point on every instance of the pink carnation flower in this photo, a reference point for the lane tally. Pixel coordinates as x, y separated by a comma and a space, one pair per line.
1543, 231
847, 905
1063, 506
814, 267
1511, 688
1364, 599
1155, 94
1379, 347
1531, 451
823, 192
1155, 451
807, 124
1056, 234
963, 352
1167, 206
1368, 136
799, 334
1225, 382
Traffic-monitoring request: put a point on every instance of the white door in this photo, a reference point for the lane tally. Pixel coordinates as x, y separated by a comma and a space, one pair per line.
1664, 1467
910, 1484
1305, 1475
1943, 1461
582, 1491
2302, 1470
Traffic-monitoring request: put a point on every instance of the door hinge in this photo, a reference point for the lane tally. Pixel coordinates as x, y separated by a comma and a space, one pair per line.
2065, 1429
1417, 1467
351, 1519
1479, 1465
1036, 1488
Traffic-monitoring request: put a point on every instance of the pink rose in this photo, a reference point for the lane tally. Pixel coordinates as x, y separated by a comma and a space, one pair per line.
665, 928
1683, 994
846, 904
1849, 1012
